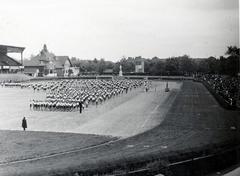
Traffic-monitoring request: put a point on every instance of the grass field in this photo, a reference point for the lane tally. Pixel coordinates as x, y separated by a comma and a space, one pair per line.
18, 145
194, 121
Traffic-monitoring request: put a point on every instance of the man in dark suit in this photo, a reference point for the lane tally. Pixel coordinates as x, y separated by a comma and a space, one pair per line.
80, 107
24, 123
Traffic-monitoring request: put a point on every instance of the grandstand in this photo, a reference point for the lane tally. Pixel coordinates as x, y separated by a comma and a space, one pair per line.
8, 64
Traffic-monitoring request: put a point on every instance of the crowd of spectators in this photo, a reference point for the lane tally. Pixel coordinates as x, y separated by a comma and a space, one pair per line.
225, 86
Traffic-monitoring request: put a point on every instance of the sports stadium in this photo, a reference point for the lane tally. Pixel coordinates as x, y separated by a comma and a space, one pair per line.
140, 125
120, 88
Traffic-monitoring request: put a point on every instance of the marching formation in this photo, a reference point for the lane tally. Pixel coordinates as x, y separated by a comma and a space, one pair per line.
73, 95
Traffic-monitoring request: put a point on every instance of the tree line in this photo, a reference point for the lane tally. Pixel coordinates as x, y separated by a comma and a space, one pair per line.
180, 65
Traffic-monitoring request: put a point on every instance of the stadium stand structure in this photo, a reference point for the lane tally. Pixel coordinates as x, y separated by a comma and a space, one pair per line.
8, 64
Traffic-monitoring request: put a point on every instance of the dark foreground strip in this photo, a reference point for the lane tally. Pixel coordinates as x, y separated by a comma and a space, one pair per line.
57, 154
188, 164
193, 166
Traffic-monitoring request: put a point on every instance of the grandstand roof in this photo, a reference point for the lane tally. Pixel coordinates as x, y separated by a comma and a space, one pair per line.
8, 61
11, 49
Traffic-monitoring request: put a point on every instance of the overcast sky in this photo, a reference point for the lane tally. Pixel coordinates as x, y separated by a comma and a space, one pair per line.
112, 29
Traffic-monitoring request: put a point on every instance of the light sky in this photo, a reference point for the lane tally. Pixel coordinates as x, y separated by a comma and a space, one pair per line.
111, 29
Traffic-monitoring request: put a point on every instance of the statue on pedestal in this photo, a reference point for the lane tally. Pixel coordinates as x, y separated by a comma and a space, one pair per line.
120, 71
167, 88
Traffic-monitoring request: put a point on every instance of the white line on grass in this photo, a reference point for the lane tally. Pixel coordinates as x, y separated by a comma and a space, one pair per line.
57, 154
150, 115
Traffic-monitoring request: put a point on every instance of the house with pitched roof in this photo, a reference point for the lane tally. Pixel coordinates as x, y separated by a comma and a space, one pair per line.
47, 64
62, 65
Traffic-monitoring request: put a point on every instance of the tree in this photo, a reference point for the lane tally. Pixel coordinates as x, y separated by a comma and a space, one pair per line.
116, 68
223, 65
213, 65
127, 64
155, 67
186, 66
172, 66
203, 66
232, 51
233, 63
101, 66
95, 60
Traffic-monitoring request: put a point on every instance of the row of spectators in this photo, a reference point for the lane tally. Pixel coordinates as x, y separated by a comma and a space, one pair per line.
225, 86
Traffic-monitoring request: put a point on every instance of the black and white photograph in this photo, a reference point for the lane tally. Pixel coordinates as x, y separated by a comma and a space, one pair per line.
119, 88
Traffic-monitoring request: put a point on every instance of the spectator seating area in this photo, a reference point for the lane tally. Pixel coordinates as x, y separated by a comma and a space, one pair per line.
224, 86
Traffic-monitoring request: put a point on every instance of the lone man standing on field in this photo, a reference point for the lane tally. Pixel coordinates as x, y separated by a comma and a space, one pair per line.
80, 107
24, 123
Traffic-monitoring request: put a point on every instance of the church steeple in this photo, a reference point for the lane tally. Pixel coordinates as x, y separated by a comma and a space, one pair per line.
44, 51
45, 48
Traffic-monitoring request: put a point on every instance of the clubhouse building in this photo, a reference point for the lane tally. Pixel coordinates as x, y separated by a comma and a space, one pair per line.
47, 64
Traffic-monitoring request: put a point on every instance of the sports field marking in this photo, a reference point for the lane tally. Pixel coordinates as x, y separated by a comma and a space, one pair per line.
150, 115
57, 154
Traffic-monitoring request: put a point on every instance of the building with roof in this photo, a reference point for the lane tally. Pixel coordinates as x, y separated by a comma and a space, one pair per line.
7, 63
139, 65
63, 65
47, 64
